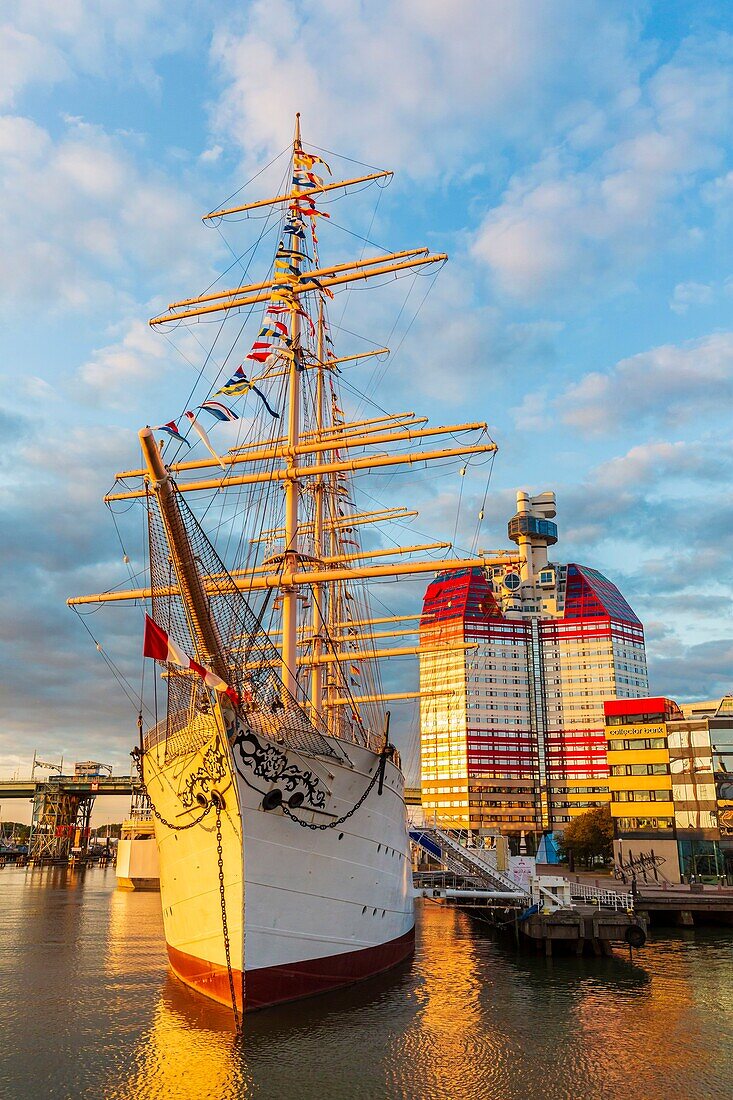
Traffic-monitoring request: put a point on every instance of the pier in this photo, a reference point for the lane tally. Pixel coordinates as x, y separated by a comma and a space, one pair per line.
545, 911
684, 905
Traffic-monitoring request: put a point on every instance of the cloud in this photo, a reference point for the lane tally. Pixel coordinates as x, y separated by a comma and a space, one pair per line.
691, 294
78, 218
656, 520
570, 221
25, 59
434, 83
664, 496
134, 371
57, 539
443, 343
686, 673
665, 386
211, 155
112, 369
651, 463
718, 193
13, 427
46, 43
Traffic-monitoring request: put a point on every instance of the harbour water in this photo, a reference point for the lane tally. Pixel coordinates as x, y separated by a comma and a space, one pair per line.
89, 1010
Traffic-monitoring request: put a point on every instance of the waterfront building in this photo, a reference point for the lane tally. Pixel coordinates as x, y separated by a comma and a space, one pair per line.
671, 783
512, 731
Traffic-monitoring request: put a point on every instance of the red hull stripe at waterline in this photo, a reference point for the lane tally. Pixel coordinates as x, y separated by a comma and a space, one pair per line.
273, 985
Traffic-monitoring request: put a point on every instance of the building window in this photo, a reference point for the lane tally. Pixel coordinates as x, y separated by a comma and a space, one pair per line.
639, 769
641, 796
636, 743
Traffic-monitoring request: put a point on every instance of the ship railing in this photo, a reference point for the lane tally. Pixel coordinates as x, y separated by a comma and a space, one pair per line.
183, 729
605, 899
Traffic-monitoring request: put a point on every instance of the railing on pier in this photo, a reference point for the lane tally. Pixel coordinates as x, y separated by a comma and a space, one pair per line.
606, 899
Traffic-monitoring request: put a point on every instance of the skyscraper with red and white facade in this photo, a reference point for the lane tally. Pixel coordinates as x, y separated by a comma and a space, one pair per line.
512, 731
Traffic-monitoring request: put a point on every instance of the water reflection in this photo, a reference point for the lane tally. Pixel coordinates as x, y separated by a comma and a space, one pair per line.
188, 1051
83, 978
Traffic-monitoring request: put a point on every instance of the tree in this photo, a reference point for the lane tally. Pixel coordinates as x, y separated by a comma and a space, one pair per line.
14, 829
590, 835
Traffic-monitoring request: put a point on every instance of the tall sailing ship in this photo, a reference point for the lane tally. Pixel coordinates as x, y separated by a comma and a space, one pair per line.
277, 795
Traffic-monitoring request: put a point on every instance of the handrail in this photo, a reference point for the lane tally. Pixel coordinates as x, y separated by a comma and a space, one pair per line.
608, 899
469, 859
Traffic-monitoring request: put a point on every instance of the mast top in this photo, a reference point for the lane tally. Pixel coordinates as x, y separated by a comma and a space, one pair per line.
296, 142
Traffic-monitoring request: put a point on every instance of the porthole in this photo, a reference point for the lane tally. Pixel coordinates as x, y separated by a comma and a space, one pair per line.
341, 836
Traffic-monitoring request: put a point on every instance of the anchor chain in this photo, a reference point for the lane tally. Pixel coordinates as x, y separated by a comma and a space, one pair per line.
168, 824
212, 804
225, 924
340, 820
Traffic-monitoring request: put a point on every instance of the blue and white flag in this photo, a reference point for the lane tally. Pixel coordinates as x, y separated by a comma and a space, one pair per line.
239, 385
219, 411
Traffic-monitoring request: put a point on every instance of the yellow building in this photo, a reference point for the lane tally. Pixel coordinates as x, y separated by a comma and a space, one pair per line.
669, 774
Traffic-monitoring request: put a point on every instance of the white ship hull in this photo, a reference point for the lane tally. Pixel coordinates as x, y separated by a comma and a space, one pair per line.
308, 909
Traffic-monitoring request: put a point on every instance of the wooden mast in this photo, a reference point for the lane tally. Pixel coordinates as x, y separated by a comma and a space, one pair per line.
292, 484
305, 286
249, 582
317, 456
191, 585
311, 444
319, 273
319, 590
282, 198
292, 471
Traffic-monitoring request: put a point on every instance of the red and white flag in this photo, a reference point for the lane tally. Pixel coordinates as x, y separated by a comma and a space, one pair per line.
160, 647
201, 433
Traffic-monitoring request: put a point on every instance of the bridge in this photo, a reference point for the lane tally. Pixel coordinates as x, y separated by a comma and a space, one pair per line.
112, 784
70, 784
62, 808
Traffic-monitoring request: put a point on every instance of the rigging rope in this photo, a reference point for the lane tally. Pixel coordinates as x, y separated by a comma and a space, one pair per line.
458, 508
482, 510
127, 688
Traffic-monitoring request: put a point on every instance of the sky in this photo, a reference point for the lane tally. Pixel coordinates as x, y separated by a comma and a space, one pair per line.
572, 157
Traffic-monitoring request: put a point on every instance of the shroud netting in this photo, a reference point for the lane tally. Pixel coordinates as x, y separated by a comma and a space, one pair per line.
246, 652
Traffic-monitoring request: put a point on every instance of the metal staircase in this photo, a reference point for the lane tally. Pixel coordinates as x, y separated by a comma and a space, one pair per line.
472, 864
